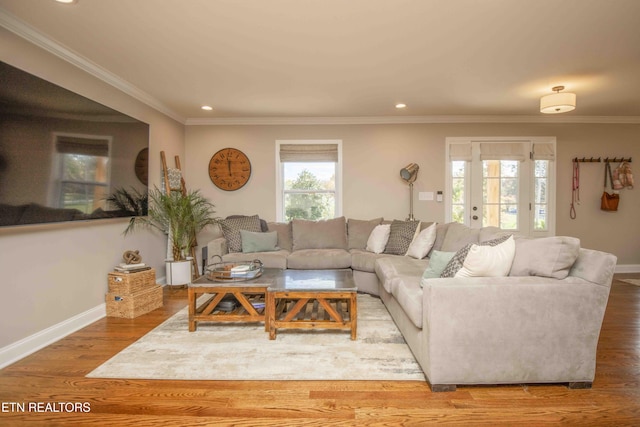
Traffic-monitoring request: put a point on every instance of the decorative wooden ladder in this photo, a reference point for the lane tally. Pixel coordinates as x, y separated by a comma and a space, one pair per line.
182, 188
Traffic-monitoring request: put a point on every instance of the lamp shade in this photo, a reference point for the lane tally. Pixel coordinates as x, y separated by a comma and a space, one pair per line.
559, 102
410, 172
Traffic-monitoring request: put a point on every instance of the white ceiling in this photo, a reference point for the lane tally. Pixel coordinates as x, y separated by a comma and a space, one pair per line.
278, 59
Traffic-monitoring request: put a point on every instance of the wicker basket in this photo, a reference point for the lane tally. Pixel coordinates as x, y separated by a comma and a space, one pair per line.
130, 283
133, 305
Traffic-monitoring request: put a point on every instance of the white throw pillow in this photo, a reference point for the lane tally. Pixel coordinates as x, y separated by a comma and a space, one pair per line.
378, 238
489, 261
423, 242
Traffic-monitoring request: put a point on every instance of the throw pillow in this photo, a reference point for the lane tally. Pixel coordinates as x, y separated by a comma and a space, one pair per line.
378, 238
323, 234
457, 261
231, 229
259, 242
545, 257
437, 263
358, 231
489, 261
423, 243
400, 236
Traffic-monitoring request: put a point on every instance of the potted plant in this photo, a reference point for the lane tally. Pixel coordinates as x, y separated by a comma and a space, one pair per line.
181, 217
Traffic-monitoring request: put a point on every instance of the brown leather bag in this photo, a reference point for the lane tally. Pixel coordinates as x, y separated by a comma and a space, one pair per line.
609, 202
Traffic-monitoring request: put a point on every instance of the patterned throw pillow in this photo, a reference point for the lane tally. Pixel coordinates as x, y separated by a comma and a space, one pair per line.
400, 236
457, 261
231, 229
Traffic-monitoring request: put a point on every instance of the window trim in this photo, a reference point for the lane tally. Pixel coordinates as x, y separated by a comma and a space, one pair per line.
280, 174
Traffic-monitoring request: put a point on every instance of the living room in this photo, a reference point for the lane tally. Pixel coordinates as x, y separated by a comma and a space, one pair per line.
55, 275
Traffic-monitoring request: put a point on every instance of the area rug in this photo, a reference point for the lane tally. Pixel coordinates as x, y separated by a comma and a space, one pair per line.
217, 351
631, 281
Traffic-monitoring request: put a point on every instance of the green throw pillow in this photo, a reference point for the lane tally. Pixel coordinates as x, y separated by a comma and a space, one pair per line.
259, 242
437, 262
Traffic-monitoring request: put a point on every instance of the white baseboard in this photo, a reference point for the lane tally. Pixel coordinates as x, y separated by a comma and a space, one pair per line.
627, 268
20, 349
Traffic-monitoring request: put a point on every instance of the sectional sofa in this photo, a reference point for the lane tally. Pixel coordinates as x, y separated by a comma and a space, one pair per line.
537, 323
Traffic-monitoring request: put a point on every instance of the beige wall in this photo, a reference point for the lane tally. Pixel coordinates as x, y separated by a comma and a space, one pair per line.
51, 273
374, 154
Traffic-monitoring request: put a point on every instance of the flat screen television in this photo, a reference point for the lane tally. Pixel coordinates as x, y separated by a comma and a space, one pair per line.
64, 157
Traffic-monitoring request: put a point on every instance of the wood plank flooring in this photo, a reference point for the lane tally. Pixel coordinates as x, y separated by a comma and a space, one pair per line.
56, 375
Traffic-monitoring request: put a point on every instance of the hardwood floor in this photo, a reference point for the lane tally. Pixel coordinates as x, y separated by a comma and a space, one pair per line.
56, 375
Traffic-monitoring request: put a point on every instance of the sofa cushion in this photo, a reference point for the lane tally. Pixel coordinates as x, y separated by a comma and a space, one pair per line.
458, 236
362, 260
457, 261
546, 256
437, 263
319, 259
408, 293
259, 242
389, 267
275, 259
422, 244
324, 234
401, 235
378, 238
358, 232
231, 229
488, 261
284, 234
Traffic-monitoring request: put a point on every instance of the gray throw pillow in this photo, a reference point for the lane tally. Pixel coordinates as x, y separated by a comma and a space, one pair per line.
401, 236
231, 229
457, 261
545, 256
259, 242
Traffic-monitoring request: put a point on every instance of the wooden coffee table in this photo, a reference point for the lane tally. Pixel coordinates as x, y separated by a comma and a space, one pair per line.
250, 294
312, 299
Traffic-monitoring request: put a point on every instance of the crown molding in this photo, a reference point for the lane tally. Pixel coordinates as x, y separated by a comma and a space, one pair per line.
381, 120
29, 33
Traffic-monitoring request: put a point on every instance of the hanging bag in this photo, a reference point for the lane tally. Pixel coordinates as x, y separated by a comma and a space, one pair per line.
609, 202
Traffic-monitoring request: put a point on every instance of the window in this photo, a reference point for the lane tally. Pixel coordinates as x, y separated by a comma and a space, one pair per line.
308, 183
84, 171
502, 182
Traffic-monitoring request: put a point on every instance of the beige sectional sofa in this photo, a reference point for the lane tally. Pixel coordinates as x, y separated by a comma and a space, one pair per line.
539, 324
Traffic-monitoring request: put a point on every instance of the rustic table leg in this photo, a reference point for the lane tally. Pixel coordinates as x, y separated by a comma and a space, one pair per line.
270, 308
353, 314
192, 309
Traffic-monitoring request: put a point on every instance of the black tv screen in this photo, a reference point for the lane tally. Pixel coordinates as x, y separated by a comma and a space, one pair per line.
64, 157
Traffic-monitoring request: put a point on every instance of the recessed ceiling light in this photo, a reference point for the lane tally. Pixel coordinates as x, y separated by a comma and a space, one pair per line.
67, 1
401, 105
207, 108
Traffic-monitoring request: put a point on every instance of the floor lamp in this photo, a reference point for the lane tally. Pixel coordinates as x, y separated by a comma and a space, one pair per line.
409, 174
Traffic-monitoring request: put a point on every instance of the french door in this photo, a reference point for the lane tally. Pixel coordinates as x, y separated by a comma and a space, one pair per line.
503, 182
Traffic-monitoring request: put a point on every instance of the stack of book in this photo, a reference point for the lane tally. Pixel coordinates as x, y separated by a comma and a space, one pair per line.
131, 268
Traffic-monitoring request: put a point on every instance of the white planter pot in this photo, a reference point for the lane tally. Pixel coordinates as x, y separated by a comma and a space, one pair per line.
178, 272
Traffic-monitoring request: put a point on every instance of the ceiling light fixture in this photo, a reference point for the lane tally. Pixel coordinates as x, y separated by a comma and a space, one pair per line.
67, 1
558, 102
401, 105
206, 108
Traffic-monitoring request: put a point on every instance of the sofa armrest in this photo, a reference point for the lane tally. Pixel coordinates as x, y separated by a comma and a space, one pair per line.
215, 248
509, 329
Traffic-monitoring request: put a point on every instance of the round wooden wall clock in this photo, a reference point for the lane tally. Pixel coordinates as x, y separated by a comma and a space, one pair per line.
229, 169
142, 166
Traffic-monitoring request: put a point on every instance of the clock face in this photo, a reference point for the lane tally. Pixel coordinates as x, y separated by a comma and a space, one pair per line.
229, 169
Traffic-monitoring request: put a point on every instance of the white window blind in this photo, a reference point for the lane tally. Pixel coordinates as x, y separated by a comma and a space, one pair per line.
460, 152
503, 151
308, 152
543, 151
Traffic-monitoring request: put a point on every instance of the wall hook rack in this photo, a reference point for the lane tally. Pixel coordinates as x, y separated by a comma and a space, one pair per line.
587, 160
617, 160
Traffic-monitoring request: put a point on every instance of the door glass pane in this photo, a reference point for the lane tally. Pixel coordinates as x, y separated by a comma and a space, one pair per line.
458, 171
541, 206
491, 216
500, 191
509, 217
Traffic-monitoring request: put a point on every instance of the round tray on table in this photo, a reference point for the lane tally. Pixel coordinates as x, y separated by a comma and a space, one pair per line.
234, 271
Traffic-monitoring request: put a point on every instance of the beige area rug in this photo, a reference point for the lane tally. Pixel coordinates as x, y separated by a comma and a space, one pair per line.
631, 281
235, 352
